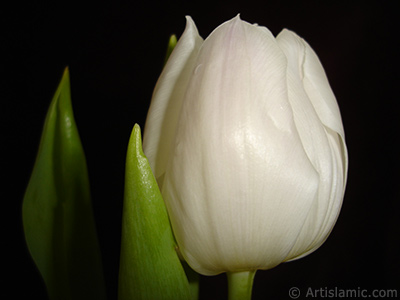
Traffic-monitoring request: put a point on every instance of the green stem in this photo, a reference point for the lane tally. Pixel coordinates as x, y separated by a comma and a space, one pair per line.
240, 285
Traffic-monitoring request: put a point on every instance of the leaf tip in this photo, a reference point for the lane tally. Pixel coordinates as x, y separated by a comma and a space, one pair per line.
135, 142
65, 75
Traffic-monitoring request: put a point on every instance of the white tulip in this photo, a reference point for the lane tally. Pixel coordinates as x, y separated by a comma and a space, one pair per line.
245, 138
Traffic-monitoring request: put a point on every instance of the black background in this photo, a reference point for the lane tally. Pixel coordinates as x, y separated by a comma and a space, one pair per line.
115, 53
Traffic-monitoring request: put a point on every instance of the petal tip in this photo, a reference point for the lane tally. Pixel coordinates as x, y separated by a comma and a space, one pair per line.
236, 19
189, 22
190, 26
286, 32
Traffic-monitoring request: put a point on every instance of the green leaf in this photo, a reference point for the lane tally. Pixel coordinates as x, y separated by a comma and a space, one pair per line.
171, 45
149, 265
57, 213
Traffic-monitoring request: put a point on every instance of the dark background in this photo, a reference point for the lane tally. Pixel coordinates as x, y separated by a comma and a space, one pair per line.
115, 53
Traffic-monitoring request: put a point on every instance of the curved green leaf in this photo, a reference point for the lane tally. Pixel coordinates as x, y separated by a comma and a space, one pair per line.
149, 265
171, 45
57, 213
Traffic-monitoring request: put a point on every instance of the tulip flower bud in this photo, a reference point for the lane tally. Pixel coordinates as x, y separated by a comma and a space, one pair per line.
244, 136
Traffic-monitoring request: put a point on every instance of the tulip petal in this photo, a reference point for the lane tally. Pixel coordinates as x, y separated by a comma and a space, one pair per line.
238, 157
167, 99
322, 144
331, 214
321, 95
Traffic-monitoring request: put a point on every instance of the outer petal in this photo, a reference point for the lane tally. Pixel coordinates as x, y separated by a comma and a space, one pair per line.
323, 145
167, 99
239, 179
320, 93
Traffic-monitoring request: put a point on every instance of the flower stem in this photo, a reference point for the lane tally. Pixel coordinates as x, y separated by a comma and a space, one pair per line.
240, 285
